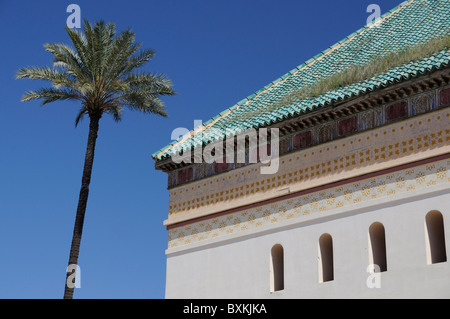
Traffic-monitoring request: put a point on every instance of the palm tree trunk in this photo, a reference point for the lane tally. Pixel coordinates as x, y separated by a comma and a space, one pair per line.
82, 202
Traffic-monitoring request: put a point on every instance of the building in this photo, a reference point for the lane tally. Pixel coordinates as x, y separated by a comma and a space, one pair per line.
359, 206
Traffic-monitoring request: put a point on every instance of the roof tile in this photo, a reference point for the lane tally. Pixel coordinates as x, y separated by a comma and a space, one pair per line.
412, 22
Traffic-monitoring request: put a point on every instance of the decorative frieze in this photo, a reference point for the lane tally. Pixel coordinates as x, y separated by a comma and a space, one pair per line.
400, 142
316, 203
320, 133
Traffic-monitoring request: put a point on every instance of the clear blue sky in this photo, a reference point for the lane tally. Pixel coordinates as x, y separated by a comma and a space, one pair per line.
216, 52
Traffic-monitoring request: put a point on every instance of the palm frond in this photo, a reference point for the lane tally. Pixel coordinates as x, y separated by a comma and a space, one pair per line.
45, 73
48, 95
151, 83
140, 101
79, 41
116, 112
101, 42
65, 57
83, 111
138, 60
122, 48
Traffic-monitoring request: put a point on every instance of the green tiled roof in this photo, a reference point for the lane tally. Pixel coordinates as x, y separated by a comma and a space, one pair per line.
411, 23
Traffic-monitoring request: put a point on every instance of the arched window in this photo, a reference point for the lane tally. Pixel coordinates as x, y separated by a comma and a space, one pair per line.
326, 272
324, 134
435, 237
377, 247
276, 268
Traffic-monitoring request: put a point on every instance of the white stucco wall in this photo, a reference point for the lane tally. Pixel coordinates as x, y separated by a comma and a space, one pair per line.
237, 266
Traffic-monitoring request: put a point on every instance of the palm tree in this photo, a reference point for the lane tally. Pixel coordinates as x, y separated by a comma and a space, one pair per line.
101, 73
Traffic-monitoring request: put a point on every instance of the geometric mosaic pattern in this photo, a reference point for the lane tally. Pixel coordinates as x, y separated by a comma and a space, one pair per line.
316, 203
